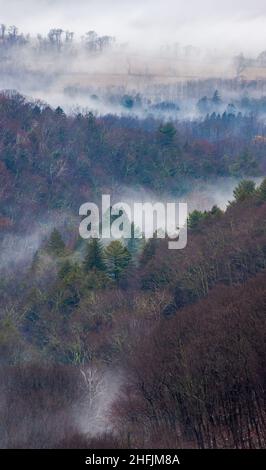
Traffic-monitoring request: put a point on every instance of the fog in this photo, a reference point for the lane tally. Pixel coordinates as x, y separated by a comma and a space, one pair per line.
36, 423
210, 24
17, 250
153, 61
150, 48
101, 390
147, 58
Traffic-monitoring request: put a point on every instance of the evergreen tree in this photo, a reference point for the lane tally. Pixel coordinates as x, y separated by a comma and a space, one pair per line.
244, 190
127, 101
117, 259
59, 111
167, 133
56, 244
34, 269
215, 211
203, 105
194, 219
65, 269
133, 244
94, 259
216, 98
245, 164
262, 189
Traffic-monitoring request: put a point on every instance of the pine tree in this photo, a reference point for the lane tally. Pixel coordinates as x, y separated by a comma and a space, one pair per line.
195, 218
35, 263
216, 98
56, 244
203, 105
94, 259
244, 190
133, 244
65, 269
117, 259
262, 189
167, 133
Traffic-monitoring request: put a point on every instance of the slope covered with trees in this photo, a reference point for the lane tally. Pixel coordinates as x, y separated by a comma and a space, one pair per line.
53, 162
178, 334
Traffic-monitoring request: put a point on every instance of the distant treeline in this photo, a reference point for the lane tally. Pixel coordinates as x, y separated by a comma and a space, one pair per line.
56, 40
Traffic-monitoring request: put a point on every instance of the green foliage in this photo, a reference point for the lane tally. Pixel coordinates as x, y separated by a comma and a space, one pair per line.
59, 155
215, 211
167, 133
134, 244
117, 259
244, 190
194, 218
66, 270
262, 190
56, 245
245, 164
79, 312
71, 286
94, 259
35, 265
96, 280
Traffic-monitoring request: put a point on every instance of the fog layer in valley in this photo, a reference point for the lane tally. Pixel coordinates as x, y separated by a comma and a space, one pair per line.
133, 99
73, 56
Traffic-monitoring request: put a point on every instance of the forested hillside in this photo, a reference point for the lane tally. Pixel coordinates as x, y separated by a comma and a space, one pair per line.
132, 232
130, 345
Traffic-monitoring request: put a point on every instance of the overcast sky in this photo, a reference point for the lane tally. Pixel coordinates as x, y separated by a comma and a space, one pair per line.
238, 25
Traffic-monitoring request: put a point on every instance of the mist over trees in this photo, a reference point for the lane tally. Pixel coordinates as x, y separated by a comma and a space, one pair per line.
56, 40
175, 340
96, 72
125, 343
48, 148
